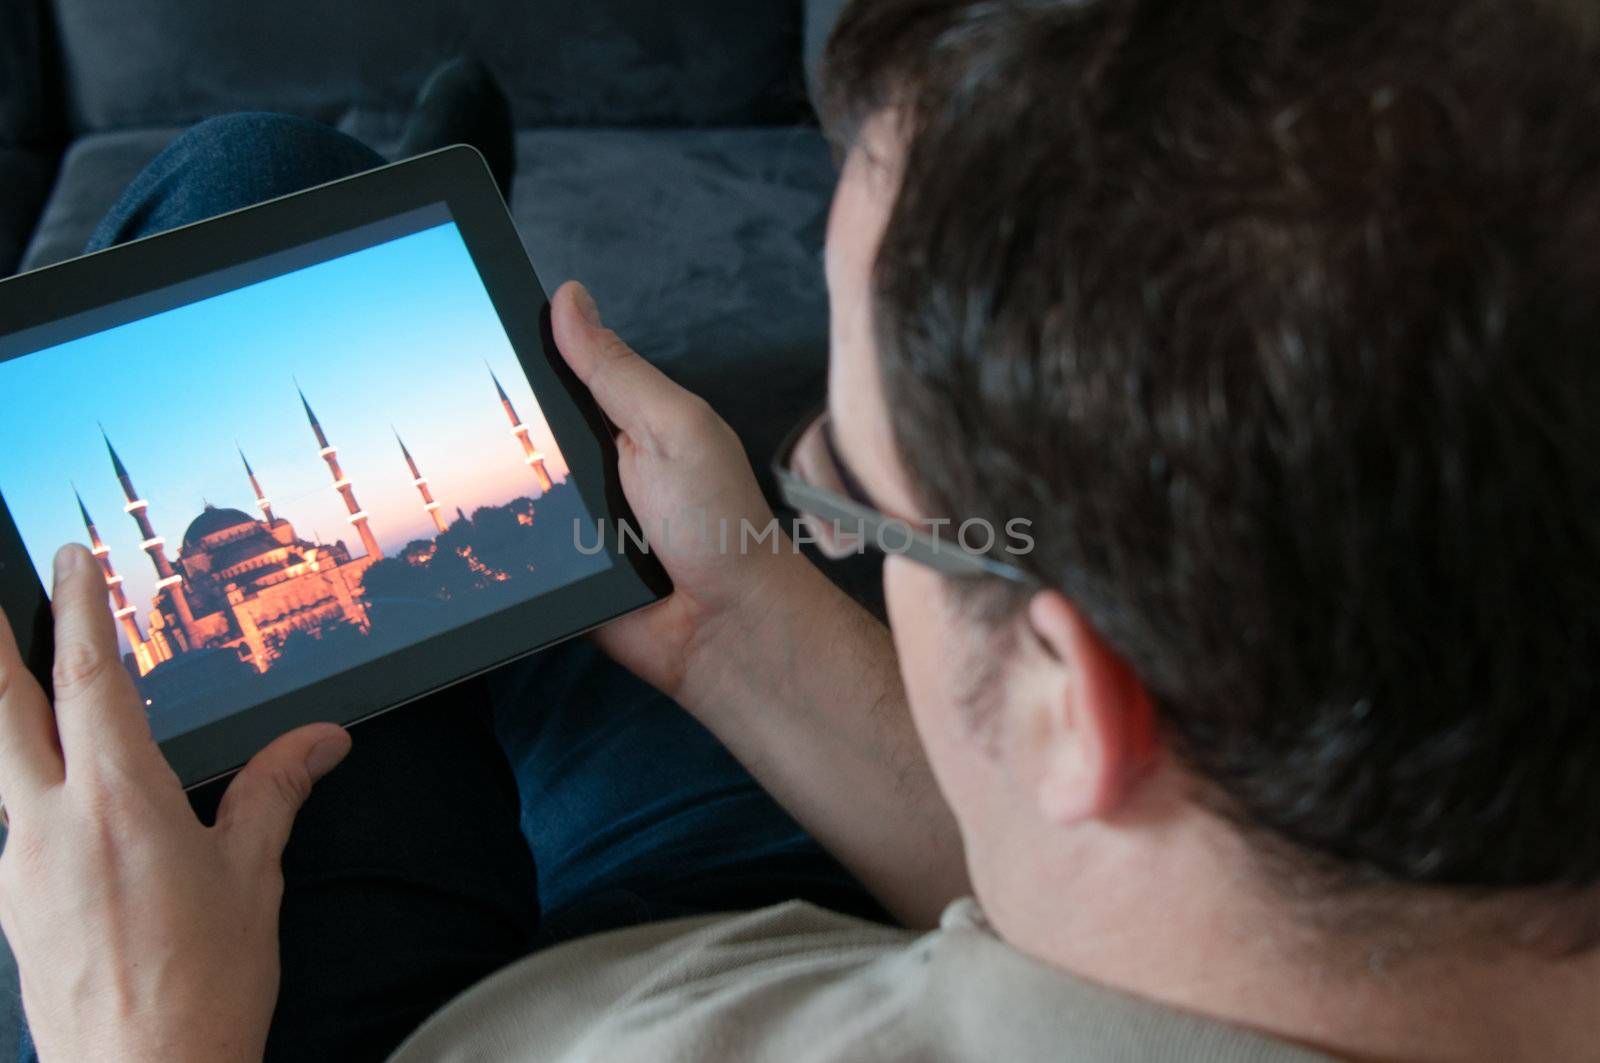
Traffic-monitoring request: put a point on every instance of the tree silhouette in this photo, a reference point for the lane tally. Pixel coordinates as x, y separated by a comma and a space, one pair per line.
329, 646
512, 550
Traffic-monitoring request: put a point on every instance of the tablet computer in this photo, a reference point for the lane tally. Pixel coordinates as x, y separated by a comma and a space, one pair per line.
325, 452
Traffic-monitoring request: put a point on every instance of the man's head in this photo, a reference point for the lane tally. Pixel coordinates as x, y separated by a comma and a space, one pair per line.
1280, 323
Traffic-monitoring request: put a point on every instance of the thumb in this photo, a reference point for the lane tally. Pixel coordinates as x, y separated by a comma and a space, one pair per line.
637, 396
263, 799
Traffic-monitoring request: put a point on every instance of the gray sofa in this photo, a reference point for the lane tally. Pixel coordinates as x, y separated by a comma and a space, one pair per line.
667, 154
666, 151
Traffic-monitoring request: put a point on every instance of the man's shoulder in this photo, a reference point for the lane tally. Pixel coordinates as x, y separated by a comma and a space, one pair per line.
704, 956
660, 991
796, 981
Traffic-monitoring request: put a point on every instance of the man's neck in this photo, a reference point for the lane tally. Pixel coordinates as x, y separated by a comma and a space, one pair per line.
1172, 912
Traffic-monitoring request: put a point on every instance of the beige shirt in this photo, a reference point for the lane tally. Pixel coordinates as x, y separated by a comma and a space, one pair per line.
797, 983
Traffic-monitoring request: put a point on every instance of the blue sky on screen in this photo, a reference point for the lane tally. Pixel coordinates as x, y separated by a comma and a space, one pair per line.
394, 334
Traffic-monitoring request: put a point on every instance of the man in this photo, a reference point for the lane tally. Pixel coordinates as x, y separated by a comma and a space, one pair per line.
1276, 323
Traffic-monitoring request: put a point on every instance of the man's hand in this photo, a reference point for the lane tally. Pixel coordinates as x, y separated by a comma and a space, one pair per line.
797, 681
694, 494
139, 933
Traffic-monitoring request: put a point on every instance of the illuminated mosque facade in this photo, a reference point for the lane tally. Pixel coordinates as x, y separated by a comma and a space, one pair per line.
246, 584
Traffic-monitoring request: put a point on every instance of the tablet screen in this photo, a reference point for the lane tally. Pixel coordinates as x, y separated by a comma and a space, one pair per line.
293, 466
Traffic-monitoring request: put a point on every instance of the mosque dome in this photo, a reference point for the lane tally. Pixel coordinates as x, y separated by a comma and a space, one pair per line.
213, 520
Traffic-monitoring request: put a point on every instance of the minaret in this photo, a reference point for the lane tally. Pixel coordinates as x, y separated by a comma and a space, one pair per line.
530, 453
330, 454
119, 600
422, 484
255, 485
167, 579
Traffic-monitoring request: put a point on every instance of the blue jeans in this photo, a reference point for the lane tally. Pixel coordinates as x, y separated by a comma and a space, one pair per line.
555, 798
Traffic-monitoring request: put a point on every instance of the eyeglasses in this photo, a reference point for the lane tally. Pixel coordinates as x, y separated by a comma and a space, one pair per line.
843, 519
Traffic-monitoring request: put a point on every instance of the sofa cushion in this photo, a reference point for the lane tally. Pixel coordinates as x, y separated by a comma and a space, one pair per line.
703, 247
704, 251
93, 174
136, 63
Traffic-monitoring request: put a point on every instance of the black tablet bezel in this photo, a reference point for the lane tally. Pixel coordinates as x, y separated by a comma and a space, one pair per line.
458, 177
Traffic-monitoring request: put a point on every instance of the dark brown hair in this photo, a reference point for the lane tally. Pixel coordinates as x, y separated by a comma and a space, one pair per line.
1281, 322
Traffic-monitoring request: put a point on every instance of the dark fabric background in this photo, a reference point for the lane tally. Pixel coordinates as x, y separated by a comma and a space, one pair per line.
25, 176
820, 17
23, 115
30, 125
605, 62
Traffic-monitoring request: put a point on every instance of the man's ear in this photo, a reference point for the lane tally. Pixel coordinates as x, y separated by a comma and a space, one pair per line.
1100, 729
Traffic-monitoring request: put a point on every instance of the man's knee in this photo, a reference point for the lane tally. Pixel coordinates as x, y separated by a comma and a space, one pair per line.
227, 163
269, 154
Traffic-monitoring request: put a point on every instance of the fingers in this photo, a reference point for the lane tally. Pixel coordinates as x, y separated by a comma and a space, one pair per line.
98, 711
636, 395
263, 799
30, 755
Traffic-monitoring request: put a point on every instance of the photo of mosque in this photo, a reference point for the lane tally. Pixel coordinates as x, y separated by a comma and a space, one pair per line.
249, 584
314, 470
